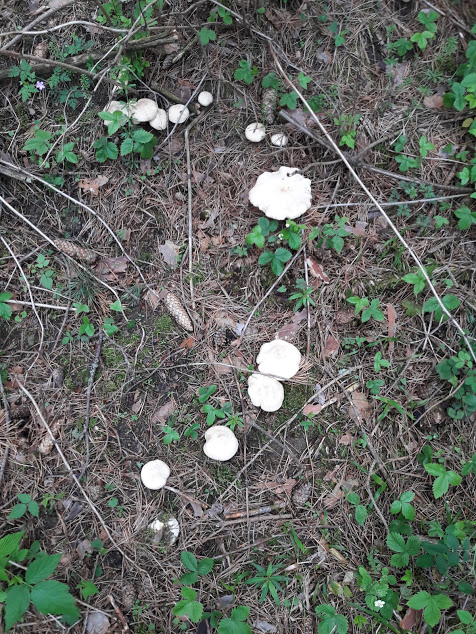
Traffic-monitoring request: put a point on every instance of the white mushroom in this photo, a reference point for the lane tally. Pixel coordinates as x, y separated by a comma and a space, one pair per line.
178, 113
221, 443
170, 527
157, 527
279, 358
173, 528
144, 110
279, 139
255, 132
282, 194
154, 474
265, 392
205, 98
159, 122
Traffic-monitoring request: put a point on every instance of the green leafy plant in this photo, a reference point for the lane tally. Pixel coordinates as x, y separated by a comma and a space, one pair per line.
206, 36
417, 279
276, 259
370, 308
302, 295
268, 581
235, 623
332, 235
450, 302
216, 412
26, 504
40, 143
86, 329
87, 588
26, 77
361, 512
425, 146
431, 604
204, 393
197, 569
66, 154
402, 548
379, 595
270, 81
466, 217
429, 22
407, 162
329, 621
188, 606
262, 230
403, 506
289, 100
245, 72
380, 363
469, 466
443, 479
32, 584
5, 309
105, 149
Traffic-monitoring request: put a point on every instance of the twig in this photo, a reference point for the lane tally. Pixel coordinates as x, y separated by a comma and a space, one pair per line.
37, 304
119, 613
269, 291
260, 510
6, 413
76, 480
92, 373
367, 486
361, 203
27, 284
359, 181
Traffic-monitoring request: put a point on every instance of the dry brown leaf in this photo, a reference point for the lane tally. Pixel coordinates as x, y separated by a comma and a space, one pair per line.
92, 185
161, 415
392, 327
359, 229
278, 487
152, 299
346, 439
410, 619
311, 409
108, 268
187, 343
360, 407
399, 72
331, 347
433, 101
290, 330
331, 500
316, 270
170, 252
323, 56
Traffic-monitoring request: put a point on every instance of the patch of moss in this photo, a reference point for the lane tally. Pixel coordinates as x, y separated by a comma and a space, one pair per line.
111, 356
164, 325
295, 397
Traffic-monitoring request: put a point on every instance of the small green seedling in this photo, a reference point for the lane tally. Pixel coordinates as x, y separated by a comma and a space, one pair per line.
197, 569
26, 504
443, 479
361, 512
403, 506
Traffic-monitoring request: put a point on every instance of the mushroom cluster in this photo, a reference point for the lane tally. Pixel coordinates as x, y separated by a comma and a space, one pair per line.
282, 360
256, 132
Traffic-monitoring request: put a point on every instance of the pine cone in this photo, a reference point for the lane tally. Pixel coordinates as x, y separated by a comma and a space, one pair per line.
220, 338
71, 249
308, 626
168, 60
270, 100
301, 493
177, 311
470, 249
128, 596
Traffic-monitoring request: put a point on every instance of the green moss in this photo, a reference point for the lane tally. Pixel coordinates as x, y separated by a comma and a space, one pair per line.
164, 325
295, 396
111, 356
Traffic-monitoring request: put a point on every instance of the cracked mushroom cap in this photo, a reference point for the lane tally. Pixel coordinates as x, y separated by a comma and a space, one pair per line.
144, 110
178, 113
282, 194
221, 443
205, 98
154, 474
159, 122
255, 132
265, 392
279, 358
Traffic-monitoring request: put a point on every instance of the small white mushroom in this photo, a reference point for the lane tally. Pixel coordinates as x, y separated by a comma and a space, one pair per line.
221, 443
178, 113
279, 139
173, 528
157, 527
205, 98
282, 194
169, 528
159, 122
144, 110
265, 392
279, 358
154, 474
255, 132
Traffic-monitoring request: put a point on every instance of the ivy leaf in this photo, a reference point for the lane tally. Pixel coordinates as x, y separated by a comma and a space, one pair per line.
17, 600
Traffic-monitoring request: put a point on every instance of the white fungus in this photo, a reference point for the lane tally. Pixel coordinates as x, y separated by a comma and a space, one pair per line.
282, 194
159, 122
144, 110
279, 139
221, 443
178, 113
265, 392
279, 358
205, 98
255, 132
154, 474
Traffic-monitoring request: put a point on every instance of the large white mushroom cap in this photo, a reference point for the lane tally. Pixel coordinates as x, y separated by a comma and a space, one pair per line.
144, 110
221, 443
279, 358
178, 113
255, 132
279, 139
159, 122
265, 392
154, 474
205, 98
282, 194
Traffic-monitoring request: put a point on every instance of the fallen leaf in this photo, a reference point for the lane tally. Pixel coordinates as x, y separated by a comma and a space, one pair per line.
433, 101
210, 221
92, 185
97, 623
331, 347
187, 343
392, 317
331, 500
290, 330
162, 414
319, 394
345, 439
323, 56
170, 253
410, 619
359, 229
276, 487
137, 405
152, 298
398, 72
317, 272
311, 409
108, 268
360, 407
84, 547
265, 627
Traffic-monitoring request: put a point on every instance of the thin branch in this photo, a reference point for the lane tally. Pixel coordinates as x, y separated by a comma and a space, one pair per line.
6, 413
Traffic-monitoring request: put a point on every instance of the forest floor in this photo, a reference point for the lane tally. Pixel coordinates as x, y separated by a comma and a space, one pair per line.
309, 512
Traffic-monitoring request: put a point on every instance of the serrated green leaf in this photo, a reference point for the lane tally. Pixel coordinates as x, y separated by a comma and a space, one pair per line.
17, 511
396, 542
42, 568
126, 146
205, 566
189, 560
53, 597
9, 543
435, 469
17, 601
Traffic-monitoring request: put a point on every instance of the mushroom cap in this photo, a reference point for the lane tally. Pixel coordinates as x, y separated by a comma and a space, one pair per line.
279, 358
205, 98
144, 110
173, 528
282, 194
170, 527
265, 392
154, 474
178, 113
279, 139
158, 527
159, 122
255, 132
221, 443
